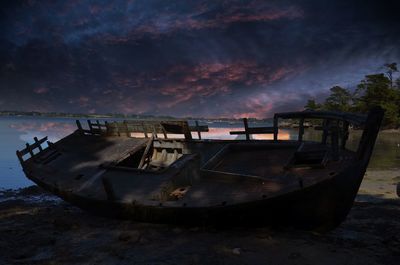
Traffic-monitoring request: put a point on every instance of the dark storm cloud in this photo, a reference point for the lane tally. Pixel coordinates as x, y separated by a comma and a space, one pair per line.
198, 58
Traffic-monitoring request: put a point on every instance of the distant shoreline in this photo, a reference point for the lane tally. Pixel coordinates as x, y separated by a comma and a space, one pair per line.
119, 116
286, 125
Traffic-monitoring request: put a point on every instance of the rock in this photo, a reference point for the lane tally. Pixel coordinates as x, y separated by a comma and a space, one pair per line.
128, 236
236, 251
32, 191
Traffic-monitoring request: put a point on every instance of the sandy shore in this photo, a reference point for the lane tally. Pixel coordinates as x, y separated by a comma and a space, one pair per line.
37, 228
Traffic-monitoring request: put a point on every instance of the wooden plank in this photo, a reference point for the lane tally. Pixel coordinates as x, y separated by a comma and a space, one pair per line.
90, 125
198, 130
301, 129
186, 131
276, 119
255, 130
79, 125
144, 130
37, 141
371, 130
345, 134
19, 155
29, 148
246, 128
350, 117
325, 128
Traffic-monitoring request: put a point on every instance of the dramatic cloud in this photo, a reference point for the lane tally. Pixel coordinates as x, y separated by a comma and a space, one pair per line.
188, 58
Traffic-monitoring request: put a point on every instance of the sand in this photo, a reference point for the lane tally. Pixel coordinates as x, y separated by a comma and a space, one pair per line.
37, 228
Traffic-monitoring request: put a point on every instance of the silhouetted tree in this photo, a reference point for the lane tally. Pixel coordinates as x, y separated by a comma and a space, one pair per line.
390, 69
340, 99
374, 90
312, 105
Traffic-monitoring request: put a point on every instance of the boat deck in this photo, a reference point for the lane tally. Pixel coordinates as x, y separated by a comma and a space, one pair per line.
233, 173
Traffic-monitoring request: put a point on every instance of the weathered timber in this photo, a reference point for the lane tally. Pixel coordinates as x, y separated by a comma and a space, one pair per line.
307, 184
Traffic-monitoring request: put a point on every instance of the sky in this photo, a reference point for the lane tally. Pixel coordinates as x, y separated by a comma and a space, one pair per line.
204, 58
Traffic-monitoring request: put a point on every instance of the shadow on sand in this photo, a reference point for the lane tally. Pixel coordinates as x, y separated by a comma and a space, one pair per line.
37, 230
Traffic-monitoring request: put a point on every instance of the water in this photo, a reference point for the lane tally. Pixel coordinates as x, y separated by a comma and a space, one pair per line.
16, 131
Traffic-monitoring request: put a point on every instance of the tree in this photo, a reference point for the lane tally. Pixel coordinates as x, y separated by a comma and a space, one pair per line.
312, 105
390, 69
376, 90
340, 99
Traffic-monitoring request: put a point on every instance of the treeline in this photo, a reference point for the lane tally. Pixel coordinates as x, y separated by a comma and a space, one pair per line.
374, 90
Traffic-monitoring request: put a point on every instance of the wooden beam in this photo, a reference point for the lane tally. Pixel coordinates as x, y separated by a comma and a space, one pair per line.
90, 125
255, 130
29, 148
345, 134
246, 128
19, 155
350, 117
276, 119
79, 125
37, 141
301, 129
198, 129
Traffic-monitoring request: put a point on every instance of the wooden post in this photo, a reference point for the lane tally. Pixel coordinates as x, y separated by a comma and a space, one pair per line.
98, 126
198, 130
107, 127
117, 127
370, 132
164, 132
301, 129
275, 128
154, 132
186, 131
246, 128
126, 129
21, 160
79, 125
90, 126
325, 130
28, 147
36, 141
345, 135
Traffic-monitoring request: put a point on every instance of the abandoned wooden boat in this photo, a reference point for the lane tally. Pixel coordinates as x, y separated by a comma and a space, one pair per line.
145, 171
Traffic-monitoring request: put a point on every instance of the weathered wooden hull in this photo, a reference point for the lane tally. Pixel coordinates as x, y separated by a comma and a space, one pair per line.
223, 182
320, 207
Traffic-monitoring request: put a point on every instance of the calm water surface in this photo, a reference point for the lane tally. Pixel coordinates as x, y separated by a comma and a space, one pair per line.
16, 131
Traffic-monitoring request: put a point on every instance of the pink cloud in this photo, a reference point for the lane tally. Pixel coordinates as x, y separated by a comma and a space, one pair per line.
41, 90
169, 22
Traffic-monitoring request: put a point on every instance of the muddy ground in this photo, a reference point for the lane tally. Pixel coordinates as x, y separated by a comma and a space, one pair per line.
37, 228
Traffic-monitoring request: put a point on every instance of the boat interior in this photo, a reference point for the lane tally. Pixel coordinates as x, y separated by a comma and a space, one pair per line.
138, 162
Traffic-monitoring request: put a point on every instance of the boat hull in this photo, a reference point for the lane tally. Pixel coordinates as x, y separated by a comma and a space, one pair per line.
320, 207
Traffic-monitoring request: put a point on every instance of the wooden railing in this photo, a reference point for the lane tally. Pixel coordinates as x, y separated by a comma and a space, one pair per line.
30, 148
335, 126
253, 130
147, 127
